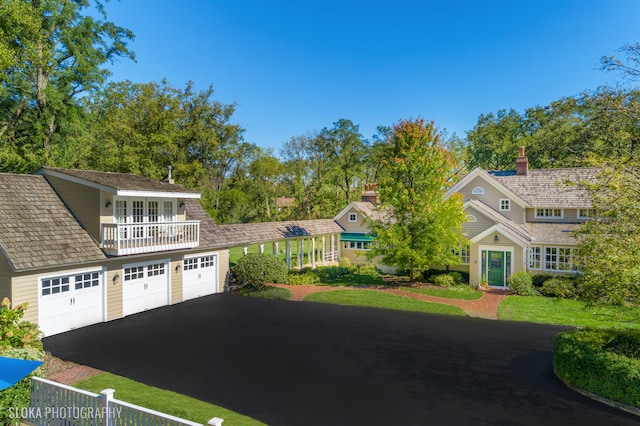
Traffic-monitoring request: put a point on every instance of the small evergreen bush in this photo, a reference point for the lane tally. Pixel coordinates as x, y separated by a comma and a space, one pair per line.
328, 273
257, 269
344, 262
444, 280
560, 288
539, 279
520, 283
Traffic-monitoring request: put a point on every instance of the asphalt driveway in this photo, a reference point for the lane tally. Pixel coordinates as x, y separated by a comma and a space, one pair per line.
288, 363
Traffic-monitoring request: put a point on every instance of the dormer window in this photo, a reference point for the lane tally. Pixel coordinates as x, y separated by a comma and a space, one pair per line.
505, 205
477, 191
353, 217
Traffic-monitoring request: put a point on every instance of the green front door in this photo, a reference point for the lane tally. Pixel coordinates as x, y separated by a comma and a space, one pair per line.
495, 268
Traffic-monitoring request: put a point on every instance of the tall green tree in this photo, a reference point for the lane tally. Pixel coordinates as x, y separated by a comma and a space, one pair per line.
420, 226
609, 244
64, 57
346, 150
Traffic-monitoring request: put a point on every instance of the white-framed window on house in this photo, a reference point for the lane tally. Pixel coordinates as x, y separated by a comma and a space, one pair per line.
477, 191
471, 218
535, 257
587, 213
505, 204
559, 258
465, 255
358, 245
550, 213
353, 217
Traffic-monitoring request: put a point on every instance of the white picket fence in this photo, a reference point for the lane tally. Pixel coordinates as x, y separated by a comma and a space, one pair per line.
55, 404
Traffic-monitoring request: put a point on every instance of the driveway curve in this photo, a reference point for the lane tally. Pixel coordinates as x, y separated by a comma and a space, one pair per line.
316, 364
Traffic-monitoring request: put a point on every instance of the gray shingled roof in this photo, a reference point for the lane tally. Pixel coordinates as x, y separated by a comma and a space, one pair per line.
548, 187
36, 229
247, 233
123, 181
557, 233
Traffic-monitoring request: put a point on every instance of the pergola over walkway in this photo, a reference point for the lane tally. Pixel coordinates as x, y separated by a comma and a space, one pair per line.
323, 234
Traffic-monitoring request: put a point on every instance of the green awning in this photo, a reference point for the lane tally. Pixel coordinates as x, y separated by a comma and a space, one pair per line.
354, 236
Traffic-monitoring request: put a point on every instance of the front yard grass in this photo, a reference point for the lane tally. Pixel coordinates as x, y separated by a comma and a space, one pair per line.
377, 299
463, 292
569, 312
162, 400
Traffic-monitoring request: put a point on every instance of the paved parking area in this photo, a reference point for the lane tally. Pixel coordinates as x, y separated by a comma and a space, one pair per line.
312, 364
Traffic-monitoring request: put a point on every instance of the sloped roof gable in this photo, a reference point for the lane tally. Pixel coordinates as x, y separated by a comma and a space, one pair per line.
36, 229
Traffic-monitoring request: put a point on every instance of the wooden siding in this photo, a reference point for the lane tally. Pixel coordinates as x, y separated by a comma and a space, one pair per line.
492, 197
114, 291
83, 201
471, 229
358, 226
175, 280
223, 270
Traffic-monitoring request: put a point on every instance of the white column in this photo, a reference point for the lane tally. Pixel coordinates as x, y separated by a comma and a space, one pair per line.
288, 255
245, 250
300, 253
323, 250
261, 246
313, 252
333, 256
276, 249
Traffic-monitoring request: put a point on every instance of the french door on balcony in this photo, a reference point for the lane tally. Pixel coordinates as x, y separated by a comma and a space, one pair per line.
140, 212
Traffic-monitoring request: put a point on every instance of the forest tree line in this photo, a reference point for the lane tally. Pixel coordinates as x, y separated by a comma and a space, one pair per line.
59, 109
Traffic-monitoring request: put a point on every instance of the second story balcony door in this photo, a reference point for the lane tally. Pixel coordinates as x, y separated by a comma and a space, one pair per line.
140, 213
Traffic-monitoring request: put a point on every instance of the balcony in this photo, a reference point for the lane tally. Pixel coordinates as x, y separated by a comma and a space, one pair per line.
120, 239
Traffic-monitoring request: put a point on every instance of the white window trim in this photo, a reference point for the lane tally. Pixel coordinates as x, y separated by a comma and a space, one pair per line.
580, 216
540, 260
477, 191
548, 217
355, 217
471, 218
508, 203
129, 216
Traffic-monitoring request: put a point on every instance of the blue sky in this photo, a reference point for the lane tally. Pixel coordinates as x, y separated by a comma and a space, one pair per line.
294, 67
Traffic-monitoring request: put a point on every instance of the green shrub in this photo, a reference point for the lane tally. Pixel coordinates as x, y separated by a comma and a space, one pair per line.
328, 273
560, 288
14, 332
344, 262
520, 283
16, 398
539, 279
257, 269
304, 278
444, 280
596, 361
459, 276
267, 292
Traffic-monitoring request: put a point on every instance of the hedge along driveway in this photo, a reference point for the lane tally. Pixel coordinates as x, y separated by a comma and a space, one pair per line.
312, 364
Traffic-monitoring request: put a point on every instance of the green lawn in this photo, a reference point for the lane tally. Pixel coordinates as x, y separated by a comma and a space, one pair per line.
356, 279
162, 400
377, 299
460, 292
270, 293
566, 312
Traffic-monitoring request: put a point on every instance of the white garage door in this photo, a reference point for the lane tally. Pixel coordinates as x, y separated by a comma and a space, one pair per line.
70, 301
145, 286
199, 276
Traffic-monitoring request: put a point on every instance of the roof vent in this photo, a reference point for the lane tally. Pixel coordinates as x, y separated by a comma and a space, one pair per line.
169, 179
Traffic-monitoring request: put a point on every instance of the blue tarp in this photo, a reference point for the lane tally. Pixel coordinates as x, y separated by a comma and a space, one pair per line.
13, 370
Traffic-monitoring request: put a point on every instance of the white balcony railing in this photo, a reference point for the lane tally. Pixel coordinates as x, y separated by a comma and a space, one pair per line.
131, 238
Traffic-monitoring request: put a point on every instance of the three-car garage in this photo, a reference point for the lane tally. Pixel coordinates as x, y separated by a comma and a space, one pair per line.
70, 300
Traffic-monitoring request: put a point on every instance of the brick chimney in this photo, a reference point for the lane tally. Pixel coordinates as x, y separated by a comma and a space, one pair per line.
522, 163
370, 193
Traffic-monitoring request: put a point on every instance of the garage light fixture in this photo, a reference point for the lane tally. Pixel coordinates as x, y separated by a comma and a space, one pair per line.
496, 239
115, 279
108, 205
178, 266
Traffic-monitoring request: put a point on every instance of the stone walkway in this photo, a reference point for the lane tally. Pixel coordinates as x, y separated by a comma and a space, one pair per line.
67, 372
485, 307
